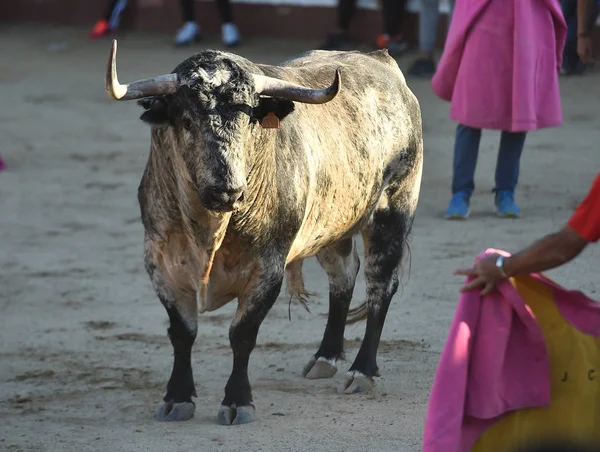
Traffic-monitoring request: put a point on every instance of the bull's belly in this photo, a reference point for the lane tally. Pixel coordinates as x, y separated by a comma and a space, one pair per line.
333, 219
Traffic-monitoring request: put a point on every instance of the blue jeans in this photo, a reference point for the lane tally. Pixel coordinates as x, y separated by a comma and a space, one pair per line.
466, 150
429, 16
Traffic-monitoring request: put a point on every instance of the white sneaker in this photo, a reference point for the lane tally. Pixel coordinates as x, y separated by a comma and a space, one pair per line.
188, 33
230, 35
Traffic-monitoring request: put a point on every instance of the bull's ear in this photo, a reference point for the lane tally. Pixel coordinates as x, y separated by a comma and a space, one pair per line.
157, 112
278, 106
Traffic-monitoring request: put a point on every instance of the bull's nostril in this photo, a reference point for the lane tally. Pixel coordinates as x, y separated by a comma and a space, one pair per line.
218, 195
225, 197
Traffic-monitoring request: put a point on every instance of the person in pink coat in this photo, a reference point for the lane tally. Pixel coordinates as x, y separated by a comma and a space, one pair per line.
499, 71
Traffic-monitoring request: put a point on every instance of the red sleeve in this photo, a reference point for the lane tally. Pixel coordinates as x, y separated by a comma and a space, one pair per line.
586, 218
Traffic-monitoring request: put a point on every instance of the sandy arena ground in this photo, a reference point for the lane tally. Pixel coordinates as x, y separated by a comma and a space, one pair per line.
84, 354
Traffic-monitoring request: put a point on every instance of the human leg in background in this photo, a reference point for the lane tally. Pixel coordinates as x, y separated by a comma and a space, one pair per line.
110, 21
429, 16
507, 173
393, 18
338, 39
229, 31
466, 150
190, 31
571, 62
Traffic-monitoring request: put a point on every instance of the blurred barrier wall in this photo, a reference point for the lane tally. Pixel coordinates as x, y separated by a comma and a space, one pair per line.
311, 19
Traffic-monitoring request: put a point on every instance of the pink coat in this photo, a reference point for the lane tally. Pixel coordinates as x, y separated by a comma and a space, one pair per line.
481, 376
500, 64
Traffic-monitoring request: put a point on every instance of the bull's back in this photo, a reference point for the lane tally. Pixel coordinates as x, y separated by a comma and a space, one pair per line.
354, 144
375, 114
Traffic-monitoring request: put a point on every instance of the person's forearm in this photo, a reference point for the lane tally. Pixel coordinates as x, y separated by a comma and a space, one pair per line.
585, 16
550, 252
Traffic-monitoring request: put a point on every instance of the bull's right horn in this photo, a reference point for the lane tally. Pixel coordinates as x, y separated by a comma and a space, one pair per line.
155, 86
270, 86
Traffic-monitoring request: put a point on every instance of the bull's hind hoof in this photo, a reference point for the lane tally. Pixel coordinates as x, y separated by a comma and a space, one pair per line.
355, 382
169, 411
319, 368
232, 415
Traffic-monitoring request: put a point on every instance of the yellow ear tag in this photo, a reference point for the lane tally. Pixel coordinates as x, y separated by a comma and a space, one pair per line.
270, 121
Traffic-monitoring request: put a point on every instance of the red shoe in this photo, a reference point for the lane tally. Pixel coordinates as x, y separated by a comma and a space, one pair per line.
394, 44
383, 40
100, 30
2, 165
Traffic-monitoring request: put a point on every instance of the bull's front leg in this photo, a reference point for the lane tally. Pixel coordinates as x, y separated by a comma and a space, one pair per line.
177, 404
254, 305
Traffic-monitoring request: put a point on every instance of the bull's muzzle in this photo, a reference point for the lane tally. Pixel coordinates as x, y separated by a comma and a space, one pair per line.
222, 199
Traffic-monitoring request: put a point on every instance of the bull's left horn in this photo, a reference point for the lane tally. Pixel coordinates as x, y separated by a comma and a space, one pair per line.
275, 87
155, 86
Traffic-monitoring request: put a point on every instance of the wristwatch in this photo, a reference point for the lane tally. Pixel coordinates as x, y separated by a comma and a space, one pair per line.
500, 266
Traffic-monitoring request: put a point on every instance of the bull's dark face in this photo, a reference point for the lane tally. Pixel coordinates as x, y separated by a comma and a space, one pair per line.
209, 118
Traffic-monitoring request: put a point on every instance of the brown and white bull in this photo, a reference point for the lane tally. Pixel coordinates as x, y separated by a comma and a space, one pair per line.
231, 200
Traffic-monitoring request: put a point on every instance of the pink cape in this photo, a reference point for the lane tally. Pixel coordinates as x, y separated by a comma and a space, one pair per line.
500, 64
481, 377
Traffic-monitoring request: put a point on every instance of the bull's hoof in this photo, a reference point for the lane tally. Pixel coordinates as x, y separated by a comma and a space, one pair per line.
355, 382
169, 411
319, 368
232, 415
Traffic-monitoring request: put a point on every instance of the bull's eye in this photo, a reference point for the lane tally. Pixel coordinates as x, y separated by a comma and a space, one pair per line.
187, 124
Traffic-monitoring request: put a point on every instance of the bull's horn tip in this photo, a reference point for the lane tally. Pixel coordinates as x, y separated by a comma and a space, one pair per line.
338, 79
111, 82
113, 47
338, 75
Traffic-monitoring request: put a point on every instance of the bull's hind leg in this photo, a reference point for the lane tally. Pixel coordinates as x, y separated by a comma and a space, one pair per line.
385, 244
177, 404
341, 262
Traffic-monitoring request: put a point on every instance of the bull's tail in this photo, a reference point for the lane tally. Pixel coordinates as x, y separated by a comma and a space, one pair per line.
358, 314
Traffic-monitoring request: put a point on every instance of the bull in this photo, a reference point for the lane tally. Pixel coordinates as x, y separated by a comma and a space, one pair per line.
254, 168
